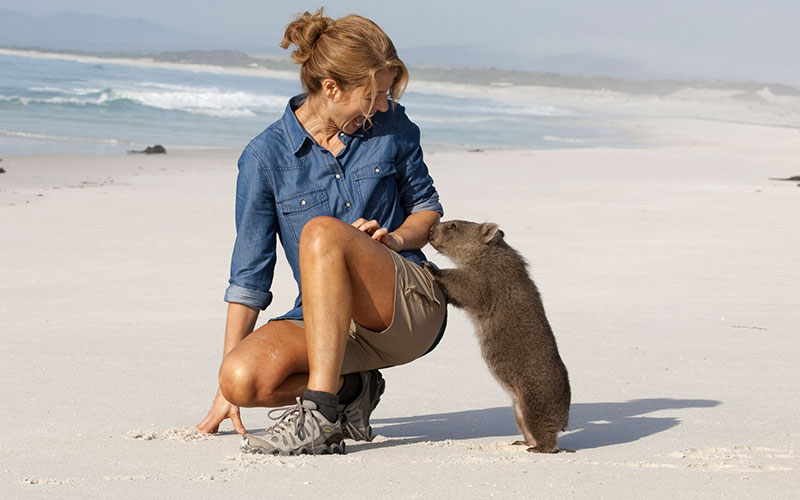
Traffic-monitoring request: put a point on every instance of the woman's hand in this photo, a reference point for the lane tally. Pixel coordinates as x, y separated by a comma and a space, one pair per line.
411, 235
378, 233
220, 410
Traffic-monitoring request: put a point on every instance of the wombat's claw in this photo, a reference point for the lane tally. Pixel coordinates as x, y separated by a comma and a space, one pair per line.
430, 268
536, 449
518, 443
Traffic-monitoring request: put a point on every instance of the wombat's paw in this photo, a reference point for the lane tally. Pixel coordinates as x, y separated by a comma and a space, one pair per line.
537, 449
518, 443
431, 269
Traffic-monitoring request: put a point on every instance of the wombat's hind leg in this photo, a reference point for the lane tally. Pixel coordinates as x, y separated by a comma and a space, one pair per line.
543, 433
547, 444
546, 438
529, 440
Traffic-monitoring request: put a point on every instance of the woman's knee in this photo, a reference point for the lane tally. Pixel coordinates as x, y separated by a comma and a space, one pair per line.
322, 234
245, 381
252, 373
238, 380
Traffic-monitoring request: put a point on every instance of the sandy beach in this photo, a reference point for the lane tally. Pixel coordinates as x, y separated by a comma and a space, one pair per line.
670, 274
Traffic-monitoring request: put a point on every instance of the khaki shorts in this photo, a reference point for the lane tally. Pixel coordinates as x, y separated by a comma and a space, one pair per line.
420, 313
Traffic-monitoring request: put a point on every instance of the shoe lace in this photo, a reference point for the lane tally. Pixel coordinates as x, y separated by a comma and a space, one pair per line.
293, 417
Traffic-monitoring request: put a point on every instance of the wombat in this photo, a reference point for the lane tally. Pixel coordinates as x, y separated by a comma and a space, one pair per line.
492, 284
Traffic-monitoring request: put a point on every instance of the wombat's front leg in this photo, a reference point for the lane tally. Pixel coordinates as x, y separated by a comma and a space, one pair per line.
452, 283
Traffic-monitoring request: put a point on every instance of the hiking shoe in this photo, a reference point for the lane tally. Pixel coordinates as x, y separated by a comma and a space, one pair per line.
356, 414
300, 430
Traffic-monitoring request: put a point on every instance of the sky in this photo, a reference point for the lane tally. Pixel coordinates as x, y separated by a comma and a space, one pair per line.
725, 39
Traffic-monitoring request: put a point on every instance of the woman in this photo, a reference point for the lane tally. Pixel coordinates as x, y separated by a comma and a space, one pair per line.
341, 181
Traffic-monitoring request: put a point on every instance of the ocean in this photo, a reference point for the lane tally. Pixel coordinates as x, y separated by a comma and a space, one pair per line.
69, 106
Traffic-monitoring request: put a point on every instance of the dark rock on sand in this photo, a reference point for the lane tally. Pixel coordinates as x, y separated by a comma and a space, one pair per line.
158, 149
2, 170
794, 178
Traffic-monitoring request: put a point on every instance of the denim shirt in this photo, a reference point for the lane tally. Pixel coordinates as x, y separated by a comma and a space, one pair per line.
285, 179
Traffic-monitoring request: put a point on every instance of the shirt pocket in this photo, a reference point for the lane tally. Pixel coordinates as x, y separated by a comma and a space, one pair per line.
376, 186
301, 208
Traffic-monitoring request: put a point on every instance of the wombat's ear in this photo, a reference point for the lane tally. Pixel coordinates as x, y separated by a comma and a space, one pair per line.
490, 230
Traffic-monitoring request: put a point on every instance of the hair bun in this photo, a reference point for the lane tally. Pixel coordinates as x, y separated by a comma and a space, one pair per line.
303, 32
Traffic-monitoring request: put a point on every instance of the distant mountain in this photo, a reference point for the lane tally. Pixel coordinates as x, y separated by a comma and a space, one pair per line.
72, 30
90, 32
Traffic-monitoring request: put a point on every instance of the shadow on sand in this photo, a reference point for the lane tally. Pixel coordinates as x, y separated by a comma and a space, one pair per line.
592, 425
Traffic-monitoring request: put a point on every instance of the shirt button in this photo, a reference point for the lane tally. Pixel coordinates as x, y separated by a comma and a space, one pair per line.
377, 170
347, 204
302, 202
338, 176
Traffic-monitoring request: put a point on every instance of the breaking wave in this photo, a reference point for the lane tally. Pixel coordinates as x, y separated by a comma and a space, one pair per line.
209, 101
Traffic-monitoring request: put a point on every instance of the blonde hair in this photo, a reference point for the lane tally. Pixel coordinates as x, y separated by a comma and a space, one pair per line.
350, 50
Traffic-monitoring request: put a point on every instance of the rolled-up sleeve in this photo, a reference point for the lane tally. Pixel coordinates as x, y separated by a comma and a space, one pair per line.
253, 260
414, 182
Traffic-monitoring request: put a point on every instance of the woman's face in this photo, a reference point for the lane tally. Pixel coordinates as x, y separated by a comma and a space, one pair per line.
347, 112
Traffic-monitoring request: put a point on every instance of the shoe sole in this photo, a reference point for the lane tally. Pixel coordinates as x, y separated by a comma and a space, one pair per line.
350, 431
250, 444
379, 391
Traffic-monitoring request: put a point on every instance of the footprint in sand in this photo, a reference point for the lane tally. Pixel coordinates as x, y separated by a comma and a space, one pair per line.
187, 434
738, 458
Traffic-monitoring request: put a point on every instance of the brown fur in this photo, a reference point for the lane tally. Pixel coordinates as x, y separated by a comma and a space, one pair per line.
492, 284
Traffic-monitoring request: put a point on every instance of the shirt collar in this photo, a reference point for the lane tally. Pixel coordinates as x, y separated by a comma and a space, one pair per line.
298, 135
295, 132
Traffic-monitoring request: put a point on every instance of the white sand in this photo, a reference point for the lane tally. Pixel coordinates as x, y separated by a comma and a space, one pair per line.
671, 276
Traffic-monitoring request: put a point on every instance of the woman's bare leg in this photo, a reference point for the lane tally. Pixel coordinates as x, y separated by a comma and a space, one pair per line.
268, 368
345, 275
